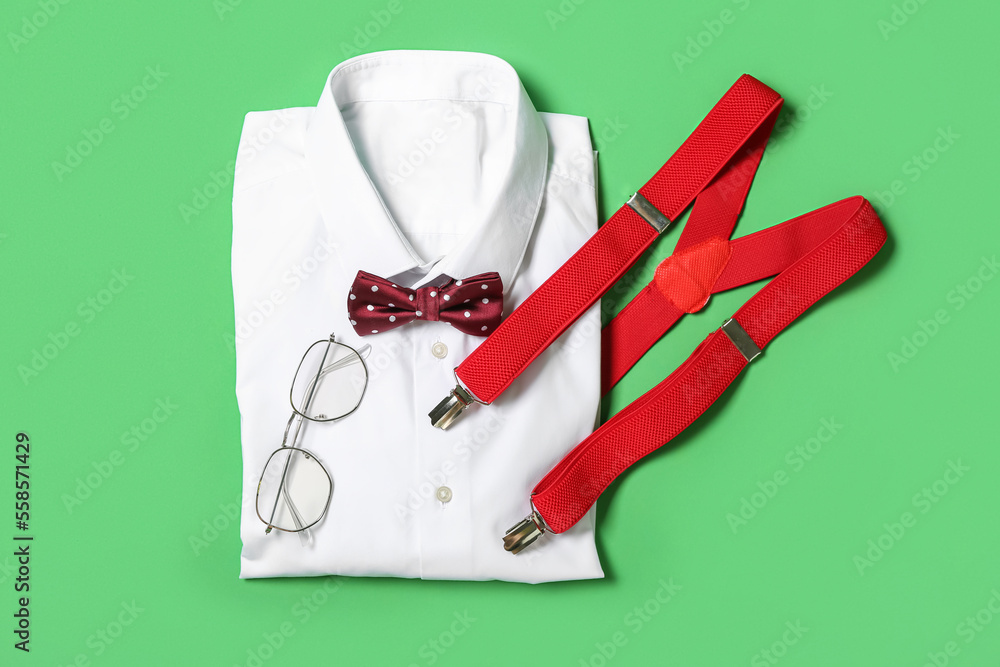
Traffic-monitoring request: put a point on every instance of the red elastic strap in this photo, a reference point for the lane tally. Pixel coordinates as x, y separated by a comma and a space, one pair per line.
743, 118
812, 255
630, 334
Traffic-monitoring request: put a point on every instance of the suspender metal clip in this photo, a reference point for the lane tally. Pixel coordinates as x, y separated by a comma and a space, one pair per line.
448, 411
524, 532
451, 408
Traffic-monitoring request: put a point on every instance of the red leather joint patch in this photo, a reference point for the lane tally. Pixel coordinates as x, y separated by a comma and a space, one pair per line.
687, 277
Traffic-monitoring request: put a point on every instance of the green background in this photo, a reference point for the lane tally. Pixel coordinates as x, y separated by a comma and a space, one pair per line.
892, 77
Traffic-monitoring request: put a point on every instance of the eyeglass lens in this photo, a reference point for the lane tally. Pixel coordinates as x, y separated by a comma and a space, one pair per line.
330, 382
302, 499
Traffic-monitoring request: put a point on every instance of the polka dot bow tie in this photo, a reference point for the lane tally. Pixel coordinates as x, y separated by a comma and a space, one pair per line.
471, 305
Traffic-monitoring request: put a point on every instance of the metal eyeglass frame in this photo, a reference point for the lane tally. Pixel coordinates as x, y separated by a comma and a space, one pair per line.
297, 417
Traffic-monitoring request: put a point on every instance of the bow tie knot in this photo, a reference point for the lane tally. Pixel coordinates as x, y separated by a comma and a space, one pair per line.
471, 305
428, 306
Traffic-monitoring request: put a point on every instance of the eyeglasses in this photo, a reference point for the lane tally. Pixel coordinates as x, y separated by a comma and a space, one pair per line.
295, 489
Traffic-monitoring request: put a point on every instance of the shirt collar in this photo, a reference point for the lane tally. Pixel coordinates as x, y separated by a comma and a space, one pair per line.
354, 213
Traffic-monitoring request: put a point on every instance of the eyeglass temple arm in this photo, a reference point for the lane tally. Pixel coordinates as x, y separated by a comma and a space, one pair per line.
362, 353
284, 468
296, 515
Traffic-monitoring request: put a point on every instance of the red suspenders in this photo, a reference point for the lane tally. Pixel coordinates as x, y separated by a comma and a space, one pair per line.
809, 255
730, 126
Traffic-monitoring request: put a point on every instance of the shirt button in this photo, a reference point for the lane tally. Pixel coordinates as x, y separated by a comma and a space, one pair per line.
439, 350
443, 494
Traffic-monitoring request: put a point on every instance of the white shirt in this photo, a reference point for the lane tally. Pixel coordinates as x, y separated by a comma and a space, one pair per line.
415, 166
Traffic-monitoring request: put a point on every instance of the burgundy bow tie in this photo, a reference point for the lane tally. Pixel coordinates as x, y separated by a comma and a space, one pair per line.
472, 305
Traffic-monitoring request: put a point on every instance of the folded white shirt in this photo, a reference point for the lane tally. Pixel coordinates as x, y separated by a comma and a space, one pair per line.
418, 167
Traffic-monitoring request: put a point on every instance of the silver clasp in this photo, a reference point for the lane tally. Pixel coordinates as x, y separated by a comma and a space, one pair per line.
648, 212
524, 532
451, 408
741, 339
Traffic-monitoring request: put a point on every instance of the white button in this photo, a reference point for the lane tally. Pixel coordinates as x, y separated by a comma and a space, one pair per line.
439, 350
443, 494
